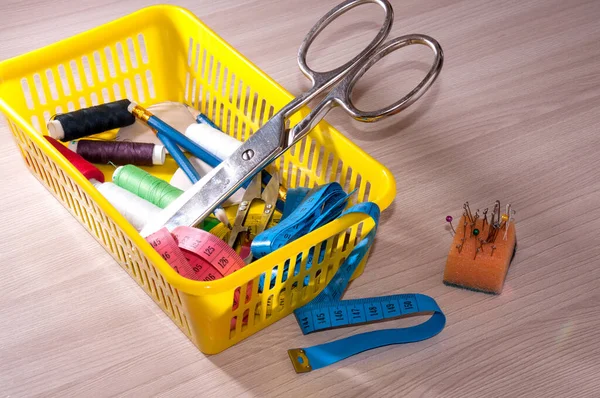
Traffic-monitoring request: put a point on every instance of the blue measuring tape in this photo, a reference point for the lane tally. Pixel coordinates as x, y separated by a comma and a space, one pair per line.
304, 211
327, 310
320, 206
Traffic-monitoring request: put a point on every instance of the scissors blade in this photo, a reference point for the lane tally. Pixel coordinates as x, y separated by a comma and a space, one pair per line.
203, 197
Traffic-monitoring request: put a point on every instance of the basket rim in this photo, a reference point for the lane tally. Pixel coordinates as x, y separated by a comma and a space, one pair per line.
188, 286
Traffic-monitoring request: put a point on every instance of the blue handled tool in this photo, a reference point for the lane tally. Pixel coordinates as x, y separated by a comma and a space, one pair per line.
172, 139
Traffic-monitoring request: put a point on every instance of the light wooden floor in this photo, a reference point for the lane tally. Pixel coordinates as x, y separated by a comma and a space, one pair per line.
514, 116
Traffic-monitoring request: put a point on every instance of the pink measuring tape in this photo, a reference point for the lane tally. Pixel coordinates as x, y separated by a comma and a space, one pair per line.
198, 255
195, 254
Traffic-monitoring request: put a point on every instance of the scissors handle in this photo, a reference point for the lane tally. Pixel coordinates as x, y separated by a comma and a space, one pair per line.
342, 93
323, 80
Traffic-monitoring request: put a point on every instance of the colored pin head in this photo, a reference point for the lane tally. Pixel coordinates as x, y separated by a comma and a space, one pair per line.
475, 232
449, 221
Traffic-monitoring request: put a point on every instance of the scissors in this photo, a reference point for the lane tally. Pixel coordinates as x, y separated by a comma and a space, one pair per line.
273, 139
269, 196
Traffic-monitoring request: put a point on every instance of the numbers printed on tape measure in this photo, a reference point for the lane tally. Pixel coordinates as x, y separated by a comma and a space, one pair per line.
209, 250
357, 314
339, 314
166, 246
222, 262
195, 254
354, 312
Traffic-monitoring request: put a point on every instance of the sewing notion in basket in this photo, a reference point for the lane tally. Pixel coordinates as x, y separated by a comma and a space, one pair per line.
164, 55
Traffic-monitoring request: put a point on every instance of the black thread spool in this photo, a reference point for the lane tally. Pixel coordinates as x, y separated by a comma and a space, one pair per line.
118, 152
89, 121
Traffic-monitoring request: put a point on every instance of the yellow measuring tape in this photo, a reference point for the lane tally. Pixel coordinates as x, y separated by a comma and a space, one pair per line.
252, 220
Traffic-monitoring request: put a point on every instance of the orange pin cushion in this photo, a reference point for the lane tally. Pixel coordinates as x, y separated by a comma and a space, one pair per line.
481, 251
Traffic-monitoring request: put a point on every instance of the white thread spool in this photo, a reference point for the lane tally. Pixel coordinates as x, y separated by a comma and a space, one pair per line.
212, 140
135, 209
216, 142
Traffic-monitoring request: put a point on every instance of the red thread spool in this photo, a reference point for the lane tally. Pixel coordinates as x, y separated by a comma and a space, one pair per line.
88, 170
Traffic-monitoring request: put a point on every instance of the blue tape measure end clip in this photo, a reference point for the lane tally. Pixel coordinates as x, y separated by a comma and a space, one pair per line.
299, 360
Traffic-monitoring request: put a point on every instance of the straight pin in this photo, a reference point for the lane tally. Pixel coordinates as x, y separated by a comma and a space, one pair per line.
468, 211
507, 220
484, 219
475, 219
459, 247
491, 232
449, 221
496, 213
496, 229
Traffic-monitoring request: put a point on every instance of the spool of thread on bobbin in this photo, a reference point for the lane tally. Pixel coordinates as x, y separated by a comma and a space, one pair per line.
212, 140
121, 153
152, 189
145, 185
208, 136
89, 121
134, 209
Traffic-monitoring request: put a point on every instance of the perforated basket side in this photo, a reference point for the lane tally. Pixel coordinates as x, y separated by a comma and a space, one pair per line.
184, 61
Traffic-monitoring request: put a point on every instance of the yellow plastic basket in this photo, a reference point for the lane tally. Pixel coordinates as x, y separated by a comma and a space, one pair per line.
164, 53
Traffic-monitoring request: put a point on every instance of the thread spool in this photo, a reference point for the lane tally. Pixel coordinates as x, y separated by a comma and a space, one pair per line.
89, 121
145, 185
88, 170
120, 153
152, 190
212, 140
136, 210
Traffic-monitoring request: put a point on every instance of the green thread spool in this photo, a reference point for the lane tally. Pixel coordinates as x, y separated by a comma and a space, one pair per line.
153, 189
209, 223
145, 185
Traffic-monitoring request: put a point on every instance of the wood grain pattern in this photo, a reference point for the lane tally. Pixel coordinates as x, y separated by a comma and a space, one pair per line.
514, 116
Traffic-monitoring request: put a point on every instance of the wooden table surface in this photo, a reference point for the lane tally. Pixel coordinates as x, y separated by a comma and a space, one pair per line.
514, 116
